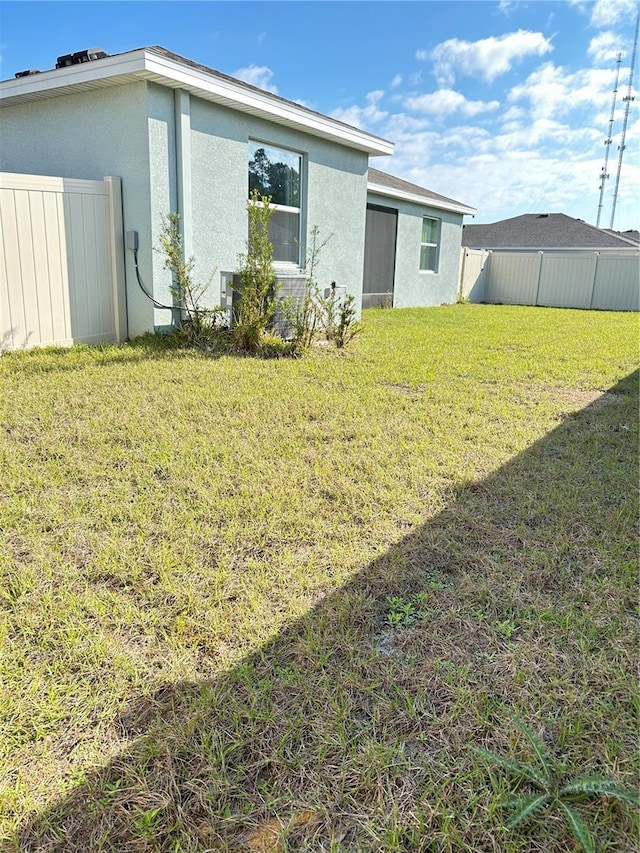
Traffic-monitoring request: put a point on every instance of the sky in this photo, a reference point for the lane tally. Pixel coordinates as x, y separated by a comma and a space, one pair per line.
504, 106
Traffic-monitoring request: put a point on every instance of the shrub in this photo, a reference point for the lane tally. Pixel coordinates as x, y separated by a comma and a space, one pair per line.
256, 304
197, 324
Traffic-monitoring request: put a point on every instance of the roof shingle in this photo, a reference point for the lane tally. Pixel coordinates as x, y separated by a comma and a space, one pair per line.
383, 179
541, 231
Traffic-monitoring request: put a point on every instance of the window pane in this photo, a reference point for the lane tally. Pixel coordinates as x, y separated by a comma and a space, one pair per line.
428, 258
429, 230
284, 232
275, 173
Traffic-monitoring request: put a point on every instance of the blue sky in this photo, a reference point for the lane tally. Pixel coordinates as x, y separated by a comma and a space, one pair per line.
501, 105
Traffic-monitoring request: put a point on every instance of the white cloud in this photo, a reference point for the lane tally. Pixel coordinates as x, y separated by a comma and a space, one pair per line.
506, 6
607, 13
540, 150
487, 58
257, 75
397, 80
363, 116
604, 47
447, 101
551, 90
513, 114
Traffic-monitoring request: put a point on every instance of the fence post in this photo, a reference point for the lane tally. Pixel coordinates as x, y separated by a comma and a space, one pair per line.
541, 256
596, 256
463, 264
116, 252
485, 272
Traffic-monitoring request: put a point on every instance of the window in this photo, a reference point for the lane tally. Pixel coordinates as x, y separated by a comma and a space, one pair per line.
275, 172
429, 244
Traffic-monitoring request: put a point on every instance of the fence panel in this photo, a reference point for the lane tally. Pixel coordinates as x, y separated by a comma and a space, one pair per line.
606, 280
473, 274
617, 283
512, 277
566, 279
61, 279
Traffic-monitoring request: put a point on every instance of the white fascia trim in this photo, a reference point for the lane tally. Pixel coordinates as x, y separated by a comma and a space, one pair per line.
627, 252
378, 189
150, 66
263, 102
84, 72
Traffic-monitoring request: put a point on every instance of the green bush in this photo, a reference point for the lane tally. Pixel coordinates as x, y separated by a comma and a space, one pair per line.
256, 304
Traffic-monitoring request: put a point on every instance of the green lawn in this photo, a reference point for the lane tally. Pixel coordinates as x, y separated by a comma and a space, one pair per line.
272, 605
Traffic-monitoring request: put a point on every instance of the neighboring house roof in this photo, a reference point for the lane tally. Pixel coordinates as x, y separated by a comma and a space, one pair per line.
157, 65
540, 231
633, 237
388, 185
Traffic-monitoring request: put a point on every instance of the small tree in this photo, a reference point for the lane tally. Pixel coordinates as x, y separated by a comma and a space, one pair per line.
304, 314
196, 322
256, 303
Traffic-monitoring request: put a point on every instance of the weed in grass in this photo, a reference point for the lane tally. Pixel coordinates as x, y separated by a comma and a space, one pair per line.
403, 612
506, 628
554, 791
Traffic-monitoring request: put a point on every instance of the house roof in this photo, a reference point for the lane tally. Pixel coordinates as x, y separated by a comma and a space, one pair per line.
633, 237
381, 183
541, 231
158, 65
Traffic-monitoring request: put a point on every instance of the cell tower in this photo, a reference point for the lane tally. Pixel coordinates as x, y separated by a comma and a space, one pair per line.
604, 175
628, 98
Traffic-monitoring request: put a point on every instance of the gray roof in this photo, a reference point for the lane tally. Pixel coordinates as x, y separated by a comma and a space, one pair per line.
541, 231
632, 236
393, 183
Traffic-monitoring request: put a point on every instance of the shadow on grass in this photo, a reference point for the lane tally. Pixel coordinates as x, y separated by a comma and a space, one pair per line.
147, 347
350, 733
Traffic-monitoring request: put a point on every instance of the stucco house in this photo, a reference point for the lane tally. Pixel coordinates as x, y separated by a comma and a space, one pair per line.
184, 137
412, 246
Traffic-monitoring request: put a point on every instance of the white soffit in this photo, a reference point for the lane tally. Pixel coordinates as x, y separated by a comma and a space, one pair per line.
146, 65
423, 200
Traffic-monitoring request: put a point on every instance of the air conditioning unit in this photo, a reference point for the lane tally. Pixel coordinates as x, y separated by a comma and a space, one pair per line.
27, 73
293, 289
80, 56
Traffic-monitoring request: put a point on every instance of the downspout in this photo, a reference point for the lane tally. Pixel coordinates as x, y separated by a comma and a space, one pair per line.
182, 102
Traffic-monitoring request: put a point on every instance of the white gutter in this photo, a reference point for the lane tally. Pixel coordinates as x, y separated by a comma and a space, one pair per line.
425, 201
146, 65
623, 249
182, 106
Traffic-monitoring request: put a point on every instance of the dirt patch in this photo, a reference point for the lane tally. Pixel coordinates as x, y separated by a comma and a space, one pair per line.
414, 393
573, 399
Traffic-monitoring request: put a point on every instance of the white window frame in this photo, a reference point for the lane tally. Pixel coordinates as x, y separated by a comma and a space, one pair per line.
435, 245
285, 266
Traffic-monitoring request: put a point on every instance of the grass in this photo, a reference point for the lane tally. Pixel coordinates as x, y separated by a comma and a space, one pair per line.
277, 605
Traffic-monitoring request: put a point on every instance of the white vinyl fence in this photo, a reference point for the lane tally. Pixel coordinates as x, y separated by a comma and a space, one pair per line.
607, 279
61, 261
